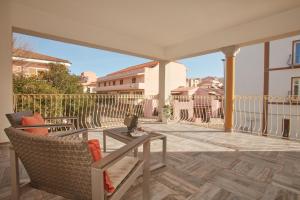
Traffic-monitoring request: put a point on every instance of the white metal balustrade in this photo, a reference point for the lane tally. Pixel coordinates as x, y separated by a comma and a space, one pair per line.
271, 115
93, 110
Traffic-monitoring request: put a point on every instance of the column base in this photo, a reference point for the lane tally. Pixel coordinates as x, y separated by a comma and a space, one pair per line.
228, 130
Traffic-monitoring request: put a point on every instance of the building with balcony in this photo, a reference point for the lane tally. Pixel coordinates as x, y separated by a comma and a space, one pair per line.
272, 70
142, 79
31, 63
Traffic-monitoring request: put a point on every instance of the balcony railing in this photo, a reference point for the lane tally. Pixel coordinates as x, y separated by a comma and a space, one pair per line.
270, 115
260, 115
93, 110
207, 111
129, 86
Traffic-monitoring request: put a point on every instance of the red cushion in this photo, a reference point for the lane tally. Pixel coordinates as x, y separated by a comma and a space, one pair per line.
95, 150
39, 117
32, 121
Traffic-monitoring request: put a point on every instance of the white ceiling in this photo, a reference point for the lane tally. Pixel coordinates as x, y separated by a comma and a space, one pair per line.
158, 29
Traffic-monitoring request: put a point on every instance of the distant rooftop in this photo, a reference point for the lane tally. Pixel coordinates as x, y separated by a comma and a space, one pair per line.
135, 67
33, 55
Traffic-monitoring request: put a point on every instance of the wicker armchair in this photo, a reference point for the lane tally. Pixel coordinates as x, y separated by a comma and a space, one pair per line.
64, 167
15, 121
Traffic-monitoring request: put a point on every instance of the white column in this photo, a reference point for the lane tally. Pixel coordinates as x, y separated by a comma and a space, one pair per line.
163, 96
5, 66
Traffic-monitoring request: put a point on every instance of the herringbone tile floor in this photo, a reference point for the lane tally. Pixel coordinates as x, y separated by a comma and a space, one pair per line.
205, 164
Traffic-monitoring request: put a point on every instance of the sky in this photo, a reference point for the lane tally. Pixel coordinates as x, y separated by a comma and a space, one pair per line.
103, 62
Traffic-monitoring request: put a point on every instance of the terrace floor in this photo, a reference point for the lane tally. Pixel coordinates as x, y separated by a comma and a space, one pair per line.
206, 164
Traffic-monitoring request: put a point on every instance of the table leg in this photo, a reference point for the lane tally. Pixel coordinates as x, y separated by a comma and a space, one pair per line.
135, 152
164, 150
104, 141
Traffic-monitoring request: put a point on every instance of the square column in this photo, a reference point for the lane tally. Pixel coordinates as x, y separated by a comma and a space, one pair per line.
230, 53
162, 96
6, 102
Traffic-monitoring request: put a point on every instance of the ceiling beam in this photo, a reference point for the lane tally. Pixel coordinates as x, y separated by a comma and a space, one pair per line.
34, 22
273, 27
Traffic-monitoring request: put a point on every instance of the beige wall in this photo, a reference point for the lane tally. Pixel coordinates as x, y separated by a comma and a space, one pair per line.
175, 76
5, 66
151, 81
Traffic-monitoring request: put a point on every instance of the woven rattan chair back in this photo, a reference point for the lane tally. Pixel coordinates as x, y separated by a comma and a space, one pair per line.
15, 118
56, 165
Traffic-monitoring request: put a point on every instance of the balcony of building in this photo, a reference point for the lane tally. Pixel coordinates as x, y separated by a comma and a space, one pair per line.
127, 86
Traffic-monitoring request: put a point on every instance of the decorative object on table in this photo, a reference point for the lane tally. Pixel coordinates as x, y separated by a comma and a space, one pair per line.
137, 133
131, 121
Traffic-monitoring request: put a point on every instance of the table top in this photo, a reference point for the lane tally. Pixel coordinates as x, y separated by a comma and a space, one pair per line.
120, 133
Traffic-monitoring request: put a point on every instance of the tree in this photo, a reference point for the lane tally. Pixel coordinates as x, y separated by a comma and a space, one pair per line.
60, 78
32, 85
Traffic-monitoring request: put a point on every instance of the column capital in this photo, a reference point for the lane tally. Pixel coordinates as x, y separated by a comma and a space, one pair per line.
230, 51
163, 62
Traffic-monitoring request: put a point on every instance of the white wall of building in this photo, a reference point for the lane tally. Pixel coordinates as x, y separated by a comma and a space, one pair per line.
280, 81
249, 70
280, 51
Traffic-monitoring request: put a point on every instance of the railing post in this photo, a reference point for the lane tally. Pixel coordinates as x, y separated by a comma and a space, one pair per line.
230, 53
266, 88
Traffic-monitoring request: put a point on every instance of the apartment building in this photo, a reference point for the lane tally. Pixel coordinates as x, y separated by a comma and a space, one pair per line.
30, 63
88, 80
270, 69
193, 82
142, 79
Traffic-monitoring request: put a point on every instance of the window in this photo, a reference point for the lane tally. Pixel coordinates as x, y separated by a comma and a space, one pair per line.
104, 84
133, 80
296, 52
114, 82
296, 86
109, 83
99, 84
121, 82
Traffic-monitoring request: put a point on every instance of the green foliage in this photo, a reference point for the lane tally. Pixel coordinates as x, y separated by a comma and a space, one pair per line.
32, 85
167, 111
60, 78
57, 80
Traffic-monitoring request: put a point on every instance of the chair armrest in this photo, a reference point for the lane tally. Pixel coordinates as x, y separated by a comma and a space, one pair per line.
113, 157
61, 117
44, 126
82, 131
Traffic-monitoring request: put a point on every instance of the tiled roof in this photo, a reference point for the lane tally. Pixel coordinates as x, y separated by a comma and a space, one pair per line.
136, 67
33, 55
183, 89
199, 91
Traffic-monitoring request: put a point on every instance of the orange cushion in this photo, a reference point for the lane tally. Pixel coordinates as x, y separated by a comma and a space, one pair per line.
39, 117
35, 120
95, 150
